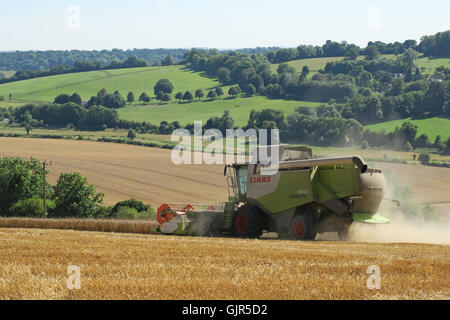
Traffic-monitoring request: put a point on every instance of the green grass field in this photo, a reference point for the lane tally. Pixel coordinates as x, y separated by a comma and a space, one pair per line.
87, 84
140, 80
8, 103
316, 64
428, 65
430, 126
204, 109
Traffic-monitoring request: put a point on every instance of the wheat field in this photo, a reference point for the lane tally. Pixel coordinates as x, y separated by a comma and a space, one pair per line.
34, 263
100, 225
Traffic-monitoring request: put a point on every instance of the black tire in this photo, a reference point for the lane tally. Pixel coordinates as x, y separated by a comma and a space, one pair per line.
247, 222
302, 227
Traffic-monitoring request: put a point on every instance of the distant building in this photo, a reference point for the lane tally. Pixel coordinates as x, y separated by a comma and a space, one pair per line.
437, 78
397, 75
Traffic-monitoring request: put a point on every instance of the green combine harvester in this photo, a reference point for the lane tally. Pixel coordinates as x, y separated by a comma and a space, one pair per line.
303, 198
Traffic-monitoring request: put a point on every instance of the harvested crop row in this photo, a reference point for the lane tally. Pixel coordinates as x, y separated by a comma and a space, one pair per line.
118, 226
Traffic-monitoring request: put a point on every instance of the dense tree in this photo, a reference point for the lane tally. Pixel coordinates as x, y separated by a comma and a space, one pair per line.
130, 97
223, 123
352, 53
437, 95
75, 98
144, 98
131, 134
164, 86
257, 118
219, 91
233, 91
165, 97
179, 96
211, 95
199, 93
62, 98
167, 61
188, 96
74, 197
372, 52
29, 122
408, 58
305, 72
250, 89
424, 159
224, 75
96, 116
21, 179
397, 87
113, 101
437, 45
285, 68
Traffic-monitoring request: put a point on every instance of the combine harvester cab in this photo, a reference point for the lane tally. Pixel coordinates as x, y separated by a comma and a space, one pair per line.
300, 199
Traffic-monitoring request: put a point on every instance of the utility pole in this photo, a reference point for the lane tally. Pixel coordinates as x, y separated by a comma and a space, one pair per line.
44, 164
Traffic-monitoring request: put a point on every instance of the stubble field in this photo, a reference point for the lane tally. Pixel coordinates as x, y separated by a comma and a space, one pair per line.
34, 263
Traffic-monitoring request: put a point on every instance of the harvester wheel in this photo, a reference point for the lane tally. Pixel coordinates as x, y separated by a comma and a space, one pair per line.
302, 227
248, 222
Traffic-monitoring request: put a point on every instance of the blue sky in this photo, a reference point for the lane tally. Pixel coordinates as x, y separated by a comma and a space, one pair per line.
107, 24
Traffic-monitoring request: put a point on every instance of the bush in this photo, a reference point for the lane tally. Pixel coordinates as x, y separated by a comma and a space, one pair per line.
102, 212
424, 159
131, 203
143, 211
74, 197
364, 145
33, 207
126, 213
20, 180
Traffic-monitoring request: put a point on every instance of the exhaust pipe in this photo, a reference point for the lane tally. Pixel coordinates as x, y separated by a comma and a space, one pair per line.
358, 161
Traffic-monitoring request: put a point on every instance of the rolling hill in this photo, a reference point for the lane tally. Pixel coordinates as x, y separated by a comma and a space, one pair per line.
139, 80
426, 65
429, 126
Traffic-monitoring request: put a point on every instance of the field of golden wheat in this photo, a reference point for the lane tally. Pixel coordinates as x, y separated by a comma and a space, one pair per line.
101, 225
34, 263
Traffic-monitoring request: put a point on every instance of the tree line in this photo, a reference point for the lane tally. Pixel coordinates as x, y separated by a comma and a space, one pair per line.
45, 60
322, 126
78, 66
437, 45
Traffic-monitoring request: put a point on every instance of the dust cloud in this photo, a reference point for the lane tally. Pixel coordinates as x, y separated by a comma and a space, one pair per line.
407, 224
402, 229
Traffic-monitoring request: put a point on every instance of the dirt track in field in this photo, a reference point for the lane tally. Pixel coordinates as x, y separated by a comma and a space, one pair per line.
148, 174
130, 266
